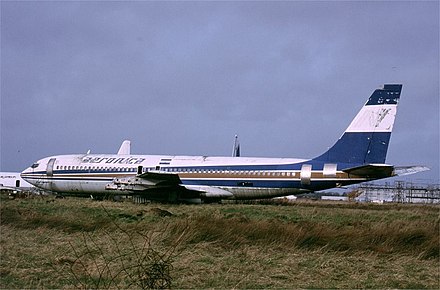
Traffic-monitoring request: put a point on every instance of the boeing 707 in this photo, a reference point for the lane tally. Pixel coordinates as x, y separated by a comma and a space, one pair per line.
357, 156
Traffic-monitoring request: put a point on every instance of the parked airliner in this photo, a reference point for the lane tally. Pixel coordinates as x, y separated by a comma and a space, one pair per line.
357, 156
11, 181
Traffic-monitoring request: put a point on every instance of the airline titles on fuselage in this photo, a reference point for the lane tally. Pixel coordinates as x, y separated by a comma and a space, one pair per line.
112, 160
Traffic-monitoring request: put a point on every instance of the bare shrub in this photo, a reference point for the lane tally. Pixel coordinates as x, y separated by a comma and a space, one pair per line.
123, 258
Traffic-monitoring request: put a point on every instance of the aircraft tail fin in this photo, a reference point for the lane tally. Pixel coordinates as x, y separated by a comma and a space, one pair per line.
366, 139
125, 148
236, 148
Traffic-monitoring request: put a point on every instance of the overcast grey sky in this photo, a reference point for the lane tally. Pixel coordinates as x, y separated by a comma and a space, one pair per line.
185, 77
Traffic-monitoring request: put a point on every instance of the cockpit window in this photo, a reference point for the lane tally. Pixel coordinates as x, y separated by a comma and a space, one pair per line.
35, 165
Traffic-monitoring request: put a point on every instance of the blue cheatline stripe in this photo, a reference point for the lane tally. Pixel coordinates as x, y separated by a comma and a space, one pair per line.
390, 94
73, 178
358, 148
248, 183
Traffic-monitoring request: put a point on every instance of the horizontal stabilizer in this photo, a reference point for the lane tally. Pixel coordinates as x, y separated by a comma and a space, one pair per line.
371, 170
408, 170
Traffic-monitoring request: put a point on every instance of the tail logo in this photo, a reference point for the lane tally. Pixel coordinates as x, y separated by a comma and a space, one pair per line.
380, 116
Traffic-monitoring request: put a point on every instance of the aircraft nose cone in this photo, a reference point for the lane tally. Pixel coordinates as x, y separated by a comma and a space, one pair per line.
28, 176
24, 174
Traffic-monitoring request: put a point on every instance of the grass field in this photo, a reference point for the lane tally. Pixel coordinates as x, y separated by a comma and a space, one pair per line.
65, 243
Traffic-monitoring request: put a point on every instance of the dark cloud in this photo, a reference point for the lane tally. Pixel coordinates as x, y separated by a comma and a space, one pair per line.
184, 77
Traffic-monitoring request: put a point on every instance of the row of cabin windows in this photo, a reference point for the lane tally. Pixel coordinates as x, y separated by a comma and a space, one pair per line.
181, 170
237, 172
94, 168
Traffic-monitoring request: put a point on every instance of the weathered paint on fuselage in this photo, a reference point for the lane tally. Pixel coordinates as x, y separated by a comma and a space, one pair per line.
244, 177
362, 150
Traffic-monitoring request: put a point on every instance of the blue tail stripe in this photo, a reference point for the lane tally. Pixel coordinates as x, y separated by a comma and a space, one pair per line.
390, 94
358, 148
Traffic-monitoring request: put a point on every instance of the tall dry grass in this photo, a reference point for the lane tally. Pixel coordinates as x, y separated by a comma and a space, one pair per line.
419, 237
80, 243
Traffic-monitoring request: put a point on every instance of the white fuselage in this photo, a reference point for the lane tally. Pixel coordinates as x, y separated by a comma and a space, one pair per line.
243, 177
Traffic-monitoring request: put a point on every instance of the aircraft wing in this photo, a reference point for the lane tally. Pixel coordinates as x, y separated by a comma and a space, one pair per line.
170, 179
158, 184
145, 181
161, 178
